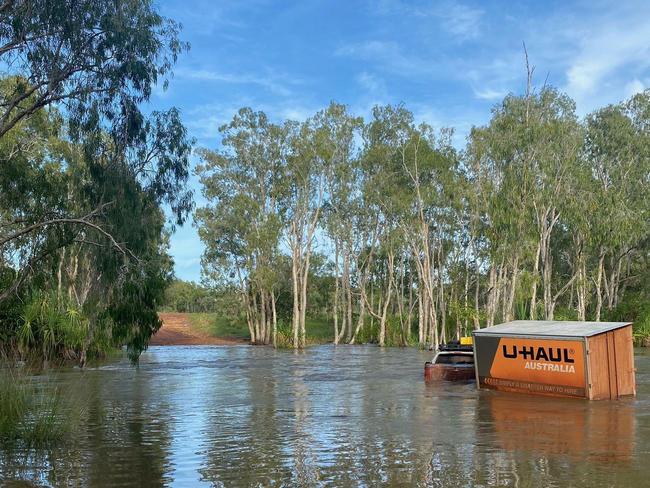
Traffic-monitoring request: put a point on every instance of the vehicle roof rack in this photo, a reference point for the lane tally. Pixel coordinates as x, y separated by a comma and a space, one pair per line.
455, 346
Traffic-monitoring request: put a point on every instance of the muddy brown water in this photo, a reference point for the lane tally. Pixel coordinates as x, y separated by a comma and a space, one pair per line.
346, 416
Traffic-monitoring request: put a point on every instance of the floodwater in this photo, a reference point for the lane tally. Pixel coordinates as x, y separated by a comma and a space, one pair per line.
346, 416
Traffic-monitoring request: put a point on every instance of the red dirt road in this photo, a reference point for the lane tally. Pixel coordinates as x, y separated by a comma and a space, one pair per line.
176, 331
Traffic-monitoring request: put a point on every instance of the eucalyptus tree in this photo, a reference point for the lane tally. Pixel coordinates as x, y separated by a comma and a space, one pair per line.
617, 140
384, 183
408, 181
536, 203
498, 208
342, 209
33, 187
242, 224
477, 193
557, 144
90, 216
533, 143
100, 58
321, 147
428, 163
581, 222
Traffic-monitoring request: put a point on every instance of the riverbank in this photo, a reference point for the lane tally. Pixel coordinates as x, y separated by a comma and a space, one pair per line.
185, 329
182, 329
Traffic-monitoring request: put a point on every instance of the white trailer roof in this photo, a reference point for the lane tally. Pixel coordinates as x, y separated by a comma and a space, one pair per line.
553, 328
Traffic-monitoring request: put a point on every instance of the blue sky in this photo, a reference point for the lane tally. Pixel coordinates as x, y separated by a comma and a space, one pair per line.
448, 61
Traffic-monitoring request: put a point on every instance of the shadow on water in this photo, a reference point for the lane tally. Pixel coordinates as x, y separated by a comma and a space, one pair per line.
346, 416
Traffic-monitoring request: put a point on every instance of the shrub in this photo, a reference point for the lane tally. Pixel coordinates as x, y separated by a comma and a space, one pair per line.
284, 336
635, 309
51, 327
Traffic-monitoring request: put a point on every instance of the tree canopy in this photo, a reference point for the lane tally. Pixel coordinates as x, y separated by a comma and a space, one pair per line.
85, 173
541, 214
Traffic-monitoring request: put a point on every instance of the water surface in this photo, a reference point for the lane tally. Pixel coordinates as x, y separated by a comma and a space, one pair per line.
346, 416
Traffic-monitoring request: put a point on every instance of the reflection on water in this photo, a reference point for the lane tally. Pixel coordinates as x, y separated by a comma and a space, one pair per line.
601, 431
346, 416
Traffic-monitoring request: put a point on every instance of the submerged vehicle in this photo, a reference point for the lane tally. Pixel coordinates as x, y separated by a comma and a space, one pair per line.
454, 361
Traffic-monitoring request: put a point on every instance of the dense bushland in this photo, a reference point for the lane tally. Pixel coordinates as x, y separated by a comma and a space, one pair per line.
84, 176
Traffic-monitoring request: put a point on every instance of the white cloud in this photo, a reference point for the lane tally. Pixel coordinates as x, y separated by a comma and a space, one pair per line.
273, 83
207, 17
633, 87
370, 49
373, 93
459, 20
298, 114
489, 94
597, 55
618, 47
205, 127
371, 84
389, 56
430, 116
459, 118
203, 121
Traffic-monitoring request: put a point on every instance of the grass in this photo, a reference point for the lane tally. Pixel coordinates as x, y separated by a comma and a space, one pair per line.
319, 330
33, 412
217, 325
641, 327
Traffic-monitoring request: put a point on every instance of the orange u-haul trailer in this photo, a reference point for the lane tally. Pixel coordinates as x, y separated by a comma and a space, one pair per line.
592, 360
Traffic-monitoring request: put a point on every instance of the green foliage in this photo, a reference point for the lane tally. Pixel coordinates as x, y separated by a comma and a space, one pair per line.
565, 313
219, 325
51, 326
186, 296
242, 229
101, 58
129, 279
81, 193
133, 310
394, 336
10, 311
521, 310
284, 337
241, 225
636, 309
369, 333
542, 215
319, 329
